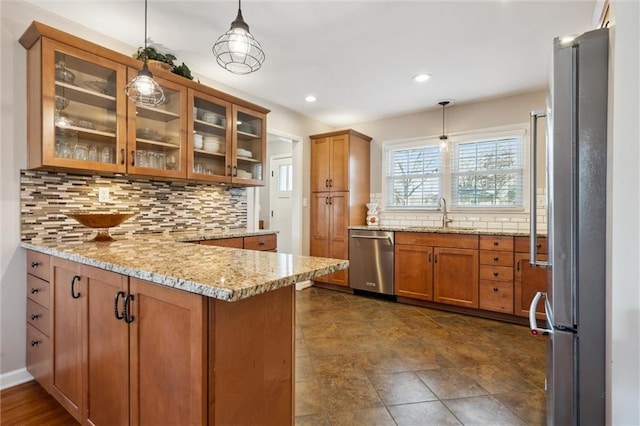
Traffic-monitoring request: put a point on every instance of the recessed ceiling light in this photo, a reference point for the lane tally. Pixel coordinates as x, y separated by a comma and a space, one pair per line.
310, 98
421, 77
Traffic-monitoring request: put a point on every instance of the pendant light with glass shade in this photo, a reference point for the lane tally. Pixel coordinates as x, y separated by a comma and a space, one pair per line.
237, 50
143, 89
444, 139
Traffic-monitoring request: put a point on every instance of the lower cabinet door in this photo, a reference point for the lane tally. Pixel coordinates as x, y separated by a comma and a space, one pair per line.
455, 276
69, 303
108, 349
414, 271
168, 381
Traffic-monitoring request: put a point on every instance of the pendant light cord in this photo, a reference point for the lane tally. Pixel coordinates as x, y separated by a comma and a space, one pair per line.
443, 105
145, 27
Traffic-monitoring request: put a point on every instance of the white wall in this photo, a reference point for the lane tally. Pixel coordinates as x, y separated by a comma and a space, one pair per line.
15, 18
623, 287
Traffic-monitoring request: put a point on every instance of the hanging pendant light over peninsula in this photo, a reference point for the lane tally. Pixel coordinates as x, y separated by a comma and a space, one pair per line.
237, 50
143, 89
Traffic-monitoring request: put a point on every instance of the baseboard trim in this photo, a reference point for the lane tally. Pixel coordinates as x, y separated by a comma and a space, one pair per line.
14, 378
303, 284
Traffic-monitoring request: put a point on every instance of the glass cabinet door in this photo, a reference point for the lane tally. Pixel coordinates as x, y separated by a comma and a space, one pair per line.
83, 109
209, 138
249, 146
157, 139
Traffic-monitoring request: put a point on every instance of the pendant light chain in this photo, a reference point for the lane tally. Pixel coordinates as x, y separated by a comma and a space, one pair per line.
145, 28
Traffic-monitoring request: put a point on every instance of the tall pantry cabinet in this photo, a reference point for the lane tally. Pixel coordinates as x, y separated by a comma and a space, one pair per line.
339, 192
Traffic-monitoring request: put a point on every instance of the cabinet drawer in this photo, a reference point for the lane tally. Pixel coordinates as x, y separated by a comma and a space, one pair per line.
261, 242
438, 240
38, 316
522, 245
492, 242
496, 258
496, 296
224, 242
496, 273
39, 357
38, 264
38, 290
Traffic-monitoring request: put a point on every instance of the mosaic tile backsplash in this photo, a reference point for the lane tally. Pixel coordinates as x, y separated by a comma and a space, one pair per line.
160, 206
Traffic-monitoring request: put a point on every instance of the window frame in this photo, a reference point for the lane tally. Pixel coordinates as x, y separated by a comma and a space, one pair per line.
516, 130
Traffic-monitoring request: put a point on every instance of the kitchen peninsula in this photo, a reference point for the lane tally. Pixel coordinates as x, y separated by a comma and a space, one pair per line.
155, 330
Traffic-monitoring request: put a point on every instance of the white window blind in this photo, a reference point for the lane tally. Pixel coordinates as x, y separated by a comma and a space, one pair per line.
414, 176
488, 173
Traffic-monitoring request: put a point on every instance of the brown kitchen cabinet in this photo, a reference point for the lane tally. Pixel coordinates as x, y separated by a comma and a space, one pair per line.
80, 119
496, 273
329, 232
157, 137
529, 279
265, 242
76, 115
39, 345
447, 265
340, 190
414, 271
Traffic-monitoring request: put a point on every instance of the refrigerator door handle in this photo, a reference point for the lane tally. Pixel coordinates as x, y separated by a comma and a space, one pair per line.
533, 226
533, 322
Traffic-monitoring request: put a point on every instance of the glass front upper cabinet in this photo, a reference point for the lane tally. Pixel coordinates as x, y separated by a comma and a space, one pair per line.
83, 110
157, 142
249, 146
209, 138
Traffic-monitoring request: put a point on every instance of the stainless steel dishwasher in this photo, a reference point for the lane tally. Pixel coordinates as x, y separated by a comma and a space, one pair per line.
371, 260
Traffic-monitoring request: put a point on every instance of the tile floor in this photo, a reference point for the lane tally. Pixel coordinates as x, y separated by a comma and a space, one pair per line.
364, 361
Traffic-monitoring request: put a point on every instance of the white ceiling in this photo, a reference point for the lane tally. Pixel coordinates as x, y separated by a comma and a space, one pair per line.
357, 57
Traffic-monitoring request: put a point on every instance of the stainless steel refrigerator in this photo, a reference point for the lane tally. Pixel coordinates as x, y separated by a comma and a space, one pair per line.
576, 202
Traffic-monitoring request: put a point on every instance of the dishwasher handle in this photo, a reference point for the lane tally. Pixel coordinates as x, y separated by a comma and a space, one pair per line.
371, 237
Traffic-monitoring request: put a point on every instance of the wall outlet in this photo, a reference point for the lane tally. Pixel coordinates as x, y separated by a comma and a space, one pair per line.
103, 195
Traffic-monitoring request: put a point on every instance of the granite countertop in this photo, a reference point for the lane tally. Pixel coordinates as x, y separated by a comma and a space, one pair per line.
218, 272
448, 230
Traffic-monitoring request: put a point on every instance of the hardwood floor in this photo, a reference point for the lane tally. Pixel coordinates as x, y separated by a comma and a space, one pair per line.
29, 404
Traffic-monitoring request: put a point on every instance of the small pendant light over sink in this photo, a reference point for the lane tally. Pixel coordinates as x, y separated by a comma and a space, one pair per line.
444, 139
143, 89
236, 50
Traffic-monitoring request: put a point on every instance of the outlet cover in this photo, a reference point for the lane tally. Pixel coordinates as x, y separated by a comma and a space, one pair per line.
103, 195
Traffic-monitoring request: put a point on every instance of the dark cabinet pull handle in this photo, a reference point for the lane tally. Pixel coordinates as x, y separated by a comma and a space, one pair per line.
330, 183
518, 265
35, 316
326, 183
435, 258
495, 274
128, 318
35, 264
229, 172
235, 171
35, 343
133, 158
35, 290
538, 245
429, 257
495, 243
495, 258
118, 315
73, 283
122, 155
495, 289
261, 243
330, 200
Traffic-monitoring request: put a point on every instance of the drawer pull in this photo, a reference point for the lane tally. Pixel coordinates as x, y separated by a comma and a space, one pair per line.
34, 265
261, 243
35, 343
118, 315
495, 274
495, 258
495, 243
35, 290
35, 316
538, 245
495, 289
326, 183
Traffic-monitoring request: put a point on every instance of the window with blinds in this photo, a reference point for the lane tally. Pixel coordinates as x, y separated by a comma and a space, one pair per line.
488, 173
483, 170
414, 177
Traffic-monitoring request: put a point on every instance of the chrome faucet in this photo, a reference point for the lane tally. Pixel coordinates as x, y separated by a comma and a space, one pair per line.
442, 205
